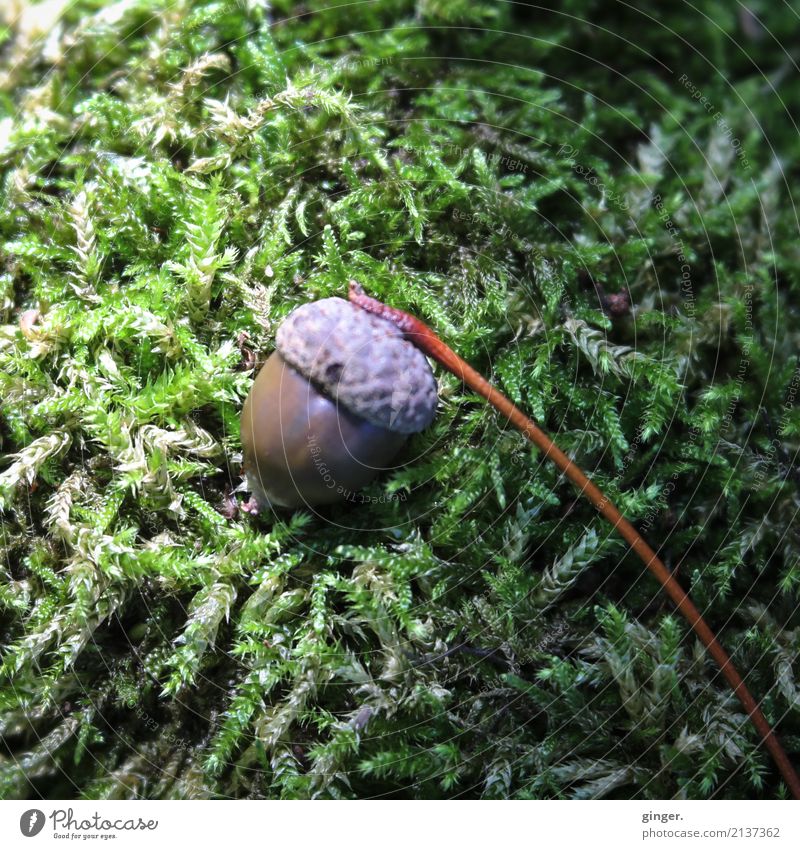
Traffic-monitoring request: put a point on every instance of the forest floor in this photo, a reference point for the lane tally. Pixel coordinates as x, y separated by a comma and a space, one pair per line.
594, 205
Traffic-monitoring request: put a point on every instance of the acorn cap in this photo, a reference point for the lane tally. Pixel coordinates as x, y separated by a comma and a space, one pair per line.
362, 361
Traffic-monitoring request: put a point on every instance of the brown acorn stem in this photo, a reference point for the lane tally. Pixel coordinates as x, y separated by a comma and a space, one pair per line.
430, 344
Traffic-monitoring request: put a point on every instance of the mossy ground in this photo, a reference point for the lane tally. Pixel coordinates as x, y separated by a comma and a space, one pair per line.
178, 176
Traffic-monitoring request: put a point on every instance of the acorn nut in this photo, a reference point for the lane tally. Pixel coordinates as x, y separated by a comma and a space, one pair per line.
332, 405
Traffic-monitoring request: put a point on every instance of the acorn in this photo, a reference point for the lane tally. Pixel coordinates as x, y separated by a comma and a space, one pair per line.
332, 406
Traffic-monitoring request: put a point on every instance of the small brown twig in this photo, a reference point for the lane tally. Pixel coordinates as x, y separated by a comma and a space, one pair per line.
429, 343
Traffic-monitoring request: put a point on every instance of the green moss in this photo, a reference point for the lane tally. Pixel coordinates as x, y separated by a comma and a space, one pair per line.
176, 178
